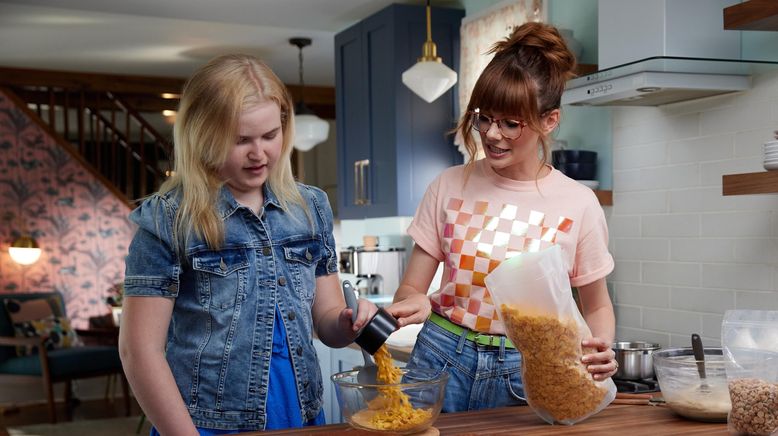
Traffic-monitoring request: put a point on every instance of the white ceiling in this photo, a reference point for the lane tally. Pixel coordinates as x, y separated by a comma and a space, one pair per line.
171, 38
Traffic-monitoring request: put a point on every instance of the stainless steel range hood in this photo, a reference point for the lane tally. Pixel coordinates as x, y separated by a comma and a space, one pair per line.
662, 80
656, 52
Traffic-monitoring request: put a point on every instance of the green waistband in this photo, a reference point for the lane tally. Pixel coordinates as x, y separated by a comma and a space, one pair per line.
478, 338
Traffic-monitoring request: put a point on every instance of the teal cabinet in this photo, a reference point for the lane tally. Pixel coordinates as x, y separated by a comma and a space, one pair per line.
391, 143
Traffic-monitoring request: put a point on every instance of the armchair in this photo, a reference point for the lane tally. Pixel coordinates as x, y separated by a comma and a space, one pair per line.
59, 365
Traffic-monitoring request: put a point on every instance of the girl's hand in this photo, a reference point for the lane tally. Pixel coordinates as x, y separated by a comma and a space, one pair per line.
365, 312
602, 363
414, 309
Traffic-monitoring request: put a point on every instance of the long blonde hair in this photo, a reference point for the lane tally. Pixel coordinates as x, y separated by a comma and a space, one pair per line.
204, 132
526, 77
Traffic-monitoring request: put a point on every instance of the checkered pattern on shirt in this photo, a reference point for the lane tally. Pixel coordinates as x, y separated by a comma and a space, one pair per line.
477, 236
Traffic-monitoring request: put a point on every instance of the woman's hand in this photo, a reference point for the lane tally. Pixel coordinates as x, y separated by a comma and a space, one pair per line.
602, 363
413, 309
365, 312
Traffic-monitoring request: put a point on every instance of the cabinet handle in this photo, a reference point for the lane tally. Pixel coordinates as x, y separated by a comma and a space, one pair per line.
365, 175
357, 188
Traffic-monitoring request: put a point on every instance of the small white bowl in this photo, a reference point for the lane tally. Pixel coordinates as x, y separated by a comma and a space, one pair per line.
771, 166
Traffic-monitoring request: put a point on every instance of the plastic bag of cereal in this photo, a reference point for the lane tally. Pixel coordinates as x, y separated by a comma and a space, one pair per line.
535, 301
749, 341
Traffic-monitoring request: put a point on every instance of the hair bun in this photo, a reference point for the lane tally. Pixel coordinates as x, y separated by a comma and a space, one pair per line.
534, 43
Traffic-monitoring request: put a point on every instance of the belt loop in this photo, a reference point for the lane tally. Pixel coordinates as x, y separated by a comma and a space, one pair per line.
501, 356
461, 343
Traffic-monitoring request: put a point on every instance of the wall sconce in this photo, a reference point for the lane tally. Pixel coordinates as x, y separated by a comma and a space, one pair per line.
309, 129
429, 78
24, 250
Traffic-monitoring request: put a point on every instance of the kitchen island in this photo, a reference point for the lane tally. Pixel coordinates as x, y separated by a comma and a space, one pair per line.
616, 419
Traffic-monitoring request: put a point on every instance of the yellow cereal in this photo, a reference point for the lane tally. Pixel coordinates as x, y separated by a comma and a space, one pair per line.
554, 378
391, 409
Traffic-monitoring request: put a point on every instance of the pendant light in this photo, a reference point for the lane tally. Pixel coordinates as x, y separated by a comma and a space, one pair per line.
309, 129
24, 250
429, 78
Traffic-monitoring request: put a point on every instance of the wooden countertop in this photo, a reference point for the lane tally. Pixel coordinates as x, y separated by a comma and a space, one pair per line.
632, 420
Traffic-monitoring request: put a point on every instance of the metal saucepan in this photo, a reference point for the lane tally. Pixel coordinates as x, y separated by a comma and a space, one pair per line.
635, 360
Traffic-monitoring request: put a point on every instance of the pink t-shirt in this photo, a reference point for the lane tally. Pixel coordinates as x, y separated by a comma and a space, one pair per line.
473, 228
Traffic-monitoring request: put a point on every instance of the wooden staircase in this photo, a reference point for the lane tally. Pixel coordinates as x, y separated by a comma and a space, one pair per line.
109, 134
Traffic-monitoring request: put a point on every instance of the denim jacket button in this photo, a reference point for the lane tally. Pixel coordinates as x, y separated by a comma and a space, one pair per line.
291, 316
299, 351
282, 281
222, 265
173, 287
308, 255
267, 251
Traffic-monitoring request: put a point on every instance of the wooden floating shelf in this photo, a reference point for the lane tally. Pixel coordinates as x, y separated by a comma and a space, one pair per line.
765, 182
752, 15
605, 197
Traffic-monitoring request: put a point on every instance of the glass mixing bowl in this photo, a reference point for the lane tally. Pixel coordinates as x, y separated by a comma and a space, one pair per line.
360, 403
684, 391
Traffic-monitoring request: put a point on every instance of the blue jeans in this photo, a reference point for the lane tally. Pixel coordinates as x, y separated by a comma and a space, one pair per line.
480, 376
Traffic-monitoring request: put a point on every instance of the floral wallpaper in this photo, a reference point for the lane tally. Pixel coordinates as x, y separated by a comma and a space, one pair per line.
80, 225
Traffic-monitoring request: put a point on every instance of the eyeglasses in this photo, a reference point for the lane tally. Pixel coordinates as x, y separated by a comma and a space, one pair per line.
509, 129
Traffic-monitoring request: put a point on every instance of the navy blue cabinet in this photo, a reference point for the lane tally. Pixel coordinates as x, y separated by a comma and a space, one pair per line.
391, 143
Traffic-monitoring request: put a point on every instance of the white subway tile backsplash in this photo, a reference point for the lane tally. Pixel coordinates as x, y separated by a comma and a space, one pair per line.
629, 334
711, 328
673, 321
670, 225
640, 156
634, 294
710, 199
736, 224
696, 200
673, 176
702, 250
756, 250
738, 118
685, 341
711, 172
722, 252
624, 226
749, 143
671, 273
680, 126
631, 203
737, 276
701, 149
754, 300
625, 271
628, 180
701, 299
627, 115
627, 316
641, 249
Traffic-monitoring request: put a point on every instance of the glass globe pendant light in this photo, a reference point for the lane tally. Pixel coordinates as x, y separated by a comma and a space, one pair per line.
24, 251
429, 78
309, 129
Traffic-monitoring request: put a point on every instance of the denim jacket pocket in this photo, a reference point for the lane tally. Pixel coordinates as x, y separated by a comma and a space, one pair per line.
302, 256
223, 276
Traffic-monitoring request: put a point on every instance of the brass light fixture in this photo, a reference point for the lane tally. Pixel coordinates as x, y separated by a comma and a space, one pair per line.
24, 250
309, 129
429, 78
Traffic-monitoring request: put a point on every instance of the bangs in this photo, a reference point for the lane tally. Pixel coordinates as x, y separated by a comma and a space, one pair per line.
502, 89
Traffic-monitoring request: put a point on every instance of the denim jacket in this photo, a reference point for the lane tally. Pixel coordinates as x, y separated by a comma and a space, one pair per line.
221, 332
